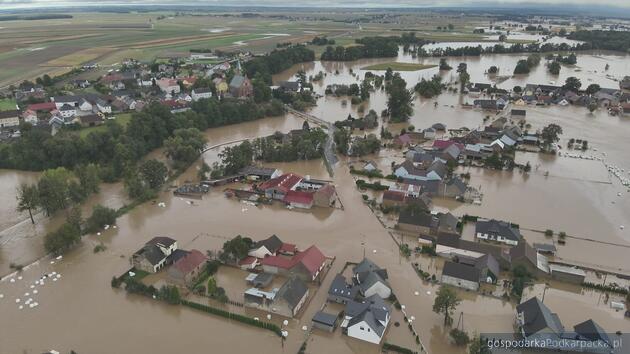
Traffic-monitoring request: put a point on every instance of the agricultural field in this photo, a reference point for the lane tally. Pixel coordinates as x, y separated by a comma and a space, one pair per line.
29, 49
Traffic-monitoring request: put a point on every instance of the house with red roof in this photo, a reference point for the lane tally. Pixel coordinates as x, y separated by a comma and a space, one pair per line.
188, 267
42, 107
248, 263
299, 199
444, 144
402, 140
306, 265
277, 188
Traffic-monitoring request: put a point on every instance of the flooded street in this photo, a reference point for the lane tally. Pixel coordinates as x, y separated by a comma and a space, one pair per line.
80, 311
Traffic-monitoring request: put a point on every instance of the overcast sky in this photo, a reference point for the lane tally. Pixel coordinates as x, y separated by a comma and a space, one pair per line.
12, 4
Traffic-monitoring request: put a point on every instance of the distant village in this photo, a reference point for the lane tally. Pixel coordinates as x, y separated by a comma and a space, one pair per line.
174, 83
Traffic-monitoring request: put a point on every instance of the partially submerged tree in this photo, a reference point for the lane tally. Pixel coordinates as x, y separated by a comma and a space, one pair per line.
445, 303
28, 199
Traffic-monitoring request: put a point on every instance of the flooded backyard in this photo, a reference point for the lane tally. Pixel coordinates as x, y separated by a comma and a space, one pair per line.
576, 196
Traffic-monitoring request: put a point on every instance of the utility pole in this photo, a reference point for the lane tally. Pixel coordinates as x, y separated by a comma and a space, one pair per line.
544, 292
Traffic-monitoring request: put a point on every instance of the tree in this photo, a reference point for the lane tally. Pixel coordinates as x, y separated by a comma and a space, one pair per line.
592, 106
444, 65
28, 199
54, 190
450, 27
572, 84
464, 78
493, 69
154, 173
204, 170
170, 294
550, 134
74, 217
445, 303
502, 38
554, 67
520, 277
100, 217
235, 249
459, 337
592, 88
89, 179
58, 241
400, 99
184, 146
521, 67
262, 92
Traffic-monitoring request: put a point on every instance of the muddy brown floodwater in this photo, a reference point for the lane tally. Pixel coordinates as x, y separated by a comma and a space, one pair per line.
81, 311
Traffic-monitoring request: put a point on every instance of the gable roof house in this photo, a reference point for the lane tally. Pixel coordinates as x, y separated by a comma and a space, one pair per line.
417, 221
453, 188
168, 85
393, 198
9, 118
407, 170
290, 297
325, 196
267, 247
371, 279
277, 188
499, 231
460, 275
367, 320
535, 320
340, 291
153, 256
307, 264
299, 199
188, 267
526, 255
201, 93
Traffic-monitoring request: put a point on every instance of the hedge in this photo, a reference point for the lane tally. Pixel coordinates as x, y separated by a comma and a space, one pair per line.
397, 349
371, 174
233, 316
613, 289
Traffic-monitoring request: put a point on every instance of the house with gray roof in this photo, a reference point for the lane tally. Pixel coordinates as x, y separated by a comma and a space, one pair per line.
453, 188
341, 291
535, 320
460, 275
417, 221
371, 279
324, 321
154, 255
499, 231
367, 320
290, 297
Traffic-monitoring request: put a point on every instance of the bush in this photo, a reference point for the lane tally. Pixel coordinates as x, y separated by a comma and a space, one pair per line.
398, 349
250, 321
170, 294
100, 217
548, 233
459, 337
99, 248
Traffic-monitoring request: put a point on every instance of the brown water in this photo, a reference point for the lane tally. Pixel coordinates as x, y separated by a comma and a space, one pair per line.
80, 311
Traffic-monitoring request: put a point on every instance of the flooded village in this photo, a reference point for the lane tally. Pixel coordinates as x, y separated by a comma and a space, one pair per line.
334, 226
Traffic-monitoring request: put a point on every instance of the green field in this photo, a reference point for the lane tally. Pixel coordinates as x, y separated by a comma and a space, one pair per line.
399, 66
7, 104
122, 119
